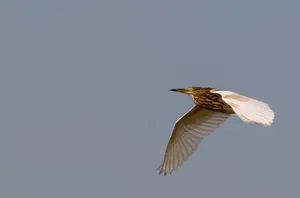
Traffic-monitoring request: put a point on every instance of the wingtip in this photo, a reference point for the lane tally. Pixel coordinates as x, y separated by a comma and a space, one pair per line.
163, 172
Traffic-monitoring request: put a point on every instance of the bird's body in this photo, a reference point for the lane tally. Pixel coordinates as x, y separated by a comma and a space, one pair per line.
212, 108
206, 98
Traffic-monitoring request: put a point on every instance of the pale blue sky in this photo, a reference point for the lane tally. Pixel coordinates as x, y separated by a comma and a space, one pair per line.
86, 110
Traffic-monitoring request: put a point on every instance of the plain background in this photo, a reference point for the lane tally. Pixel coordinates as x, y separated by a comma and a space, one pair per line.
86, 111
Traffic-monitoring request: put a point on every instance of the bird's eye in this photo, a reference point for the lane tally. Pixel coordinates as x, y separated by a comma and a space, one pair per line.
190, 88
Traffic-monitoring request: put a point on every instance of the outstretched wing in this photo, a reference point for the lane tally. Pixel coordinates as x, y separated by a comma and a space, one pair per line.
248, 109
188, 132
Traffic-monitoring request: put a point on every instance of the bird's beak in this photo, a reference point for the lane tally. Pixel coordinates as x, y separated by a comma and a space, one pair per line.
179, 90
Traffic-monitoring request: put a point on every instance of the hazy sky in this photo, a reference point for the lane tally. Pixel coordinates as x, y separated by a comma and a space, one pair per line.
86, 110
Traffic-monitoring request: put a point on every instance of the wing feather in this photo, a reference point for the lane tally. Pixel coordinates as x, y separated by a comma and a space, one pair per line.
248, 109
188, 132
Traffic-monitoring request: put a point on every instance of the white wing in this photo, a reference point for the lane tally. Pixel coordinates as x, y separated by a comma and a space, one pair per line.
248, 109
188, 132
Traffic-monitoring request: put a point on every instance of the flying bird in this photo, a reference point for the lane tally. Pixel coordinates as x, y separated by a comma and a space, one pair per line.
212, 107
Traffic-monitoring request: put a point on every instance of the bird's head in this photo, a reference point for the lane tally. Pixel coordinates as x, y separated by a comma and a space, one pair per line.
188, 91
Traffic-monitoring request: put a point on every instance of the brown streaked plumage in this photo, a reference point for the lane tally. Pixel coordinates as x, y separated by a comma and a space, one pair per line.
212, 108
